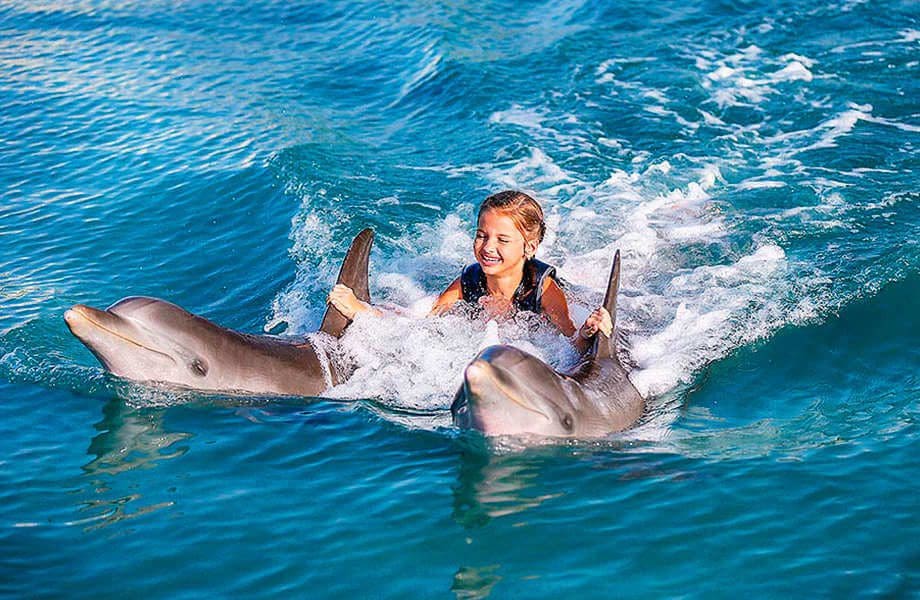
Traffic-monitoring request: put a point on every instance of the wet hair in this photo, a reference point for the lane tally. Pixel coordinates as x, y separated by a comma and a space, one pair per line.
520, 208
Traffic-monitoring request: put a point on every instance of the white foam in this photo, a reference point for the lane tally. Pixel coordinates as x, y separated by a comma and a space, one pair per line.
688, 294
520, 116
291, 309
711, 308
808, 62
610, 143
656, 95
907, 36
696, 232
794, 71
892, 123
745, 77
828, 133
711, 119
722, 73
752, 184
417, 363
538, 170
409, 362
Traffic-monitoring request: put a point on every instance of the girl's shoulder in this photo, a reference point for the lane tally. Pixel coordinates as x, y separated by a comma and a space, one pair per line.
543, 275
552, 283
541, 269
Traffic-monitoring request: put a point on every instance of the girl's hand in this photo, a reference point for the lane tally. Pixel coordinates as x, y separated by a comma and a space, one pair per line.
439, 309
344, 299
599, 320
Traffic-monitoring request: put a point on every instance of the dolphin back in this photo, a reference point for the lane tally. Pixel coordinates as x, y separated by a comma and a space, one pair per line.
603, 345
353, 273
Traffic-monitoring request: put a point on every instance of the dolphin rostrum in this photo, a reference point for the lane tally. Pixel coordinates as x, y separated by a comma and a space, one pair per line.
507, 391
147, 339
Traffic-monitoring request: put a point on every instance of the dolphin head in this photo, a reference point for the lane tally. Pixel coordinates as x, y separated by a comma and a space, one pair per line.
146, 339
507, 391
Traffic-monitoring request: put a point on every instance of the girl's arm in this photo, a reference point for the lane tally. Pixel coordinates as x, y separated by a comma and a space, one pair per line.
557, 309
343, 298
448, 298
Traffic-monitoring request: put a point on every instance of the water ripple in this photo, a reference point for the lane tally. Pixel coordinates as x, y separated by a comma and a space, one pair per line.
754, 163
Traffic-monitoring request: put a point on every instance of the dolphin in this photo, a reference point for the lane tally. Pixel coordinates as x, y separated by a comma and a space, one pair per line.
151, 340
507, 391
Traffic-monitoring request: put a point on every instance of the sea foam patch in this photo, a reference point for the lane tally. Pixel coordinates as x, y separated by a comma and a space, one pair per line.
749, 76
411, 362
677, 316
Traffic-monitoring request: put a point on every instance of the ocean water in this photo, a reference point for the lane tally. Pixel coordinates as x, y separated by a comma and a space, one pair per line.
755, 162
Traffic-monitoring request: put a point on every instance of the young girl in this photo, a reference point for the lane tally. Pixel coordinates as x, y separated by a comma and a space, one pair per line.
505, 276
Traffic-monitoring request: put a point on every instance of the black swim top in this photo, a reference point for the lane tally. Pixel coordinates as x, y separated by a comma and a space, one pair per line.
528, 294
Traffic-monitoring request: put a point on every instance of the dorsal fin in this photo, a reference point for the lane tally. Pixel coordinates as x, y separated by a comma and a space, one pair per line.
353, 274
605, 347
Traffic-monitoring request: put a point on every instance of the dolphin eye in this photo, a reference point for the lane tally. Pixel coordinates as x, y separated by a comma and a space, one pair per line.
567, 422
198, 368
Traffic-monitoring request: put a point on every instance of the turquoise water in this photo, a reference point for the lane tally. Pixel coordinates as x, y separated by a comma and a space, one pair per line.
755, 163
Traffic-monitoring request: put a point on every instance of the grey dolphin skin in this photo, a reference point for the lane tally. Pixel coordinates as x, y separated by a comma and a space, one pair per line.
507, 391
151, 340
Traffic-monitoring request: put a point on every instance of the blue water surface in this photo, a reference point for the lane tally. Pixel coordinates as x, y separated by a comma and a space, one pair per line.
754, 162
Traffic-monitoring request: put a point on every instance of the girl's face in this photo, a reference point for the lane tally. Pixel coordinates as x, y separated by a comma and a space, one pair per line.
499, 247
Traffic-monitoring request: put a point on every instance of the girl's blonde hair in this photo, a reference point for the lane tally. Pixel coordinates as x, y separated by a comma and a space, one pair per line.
520, 208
